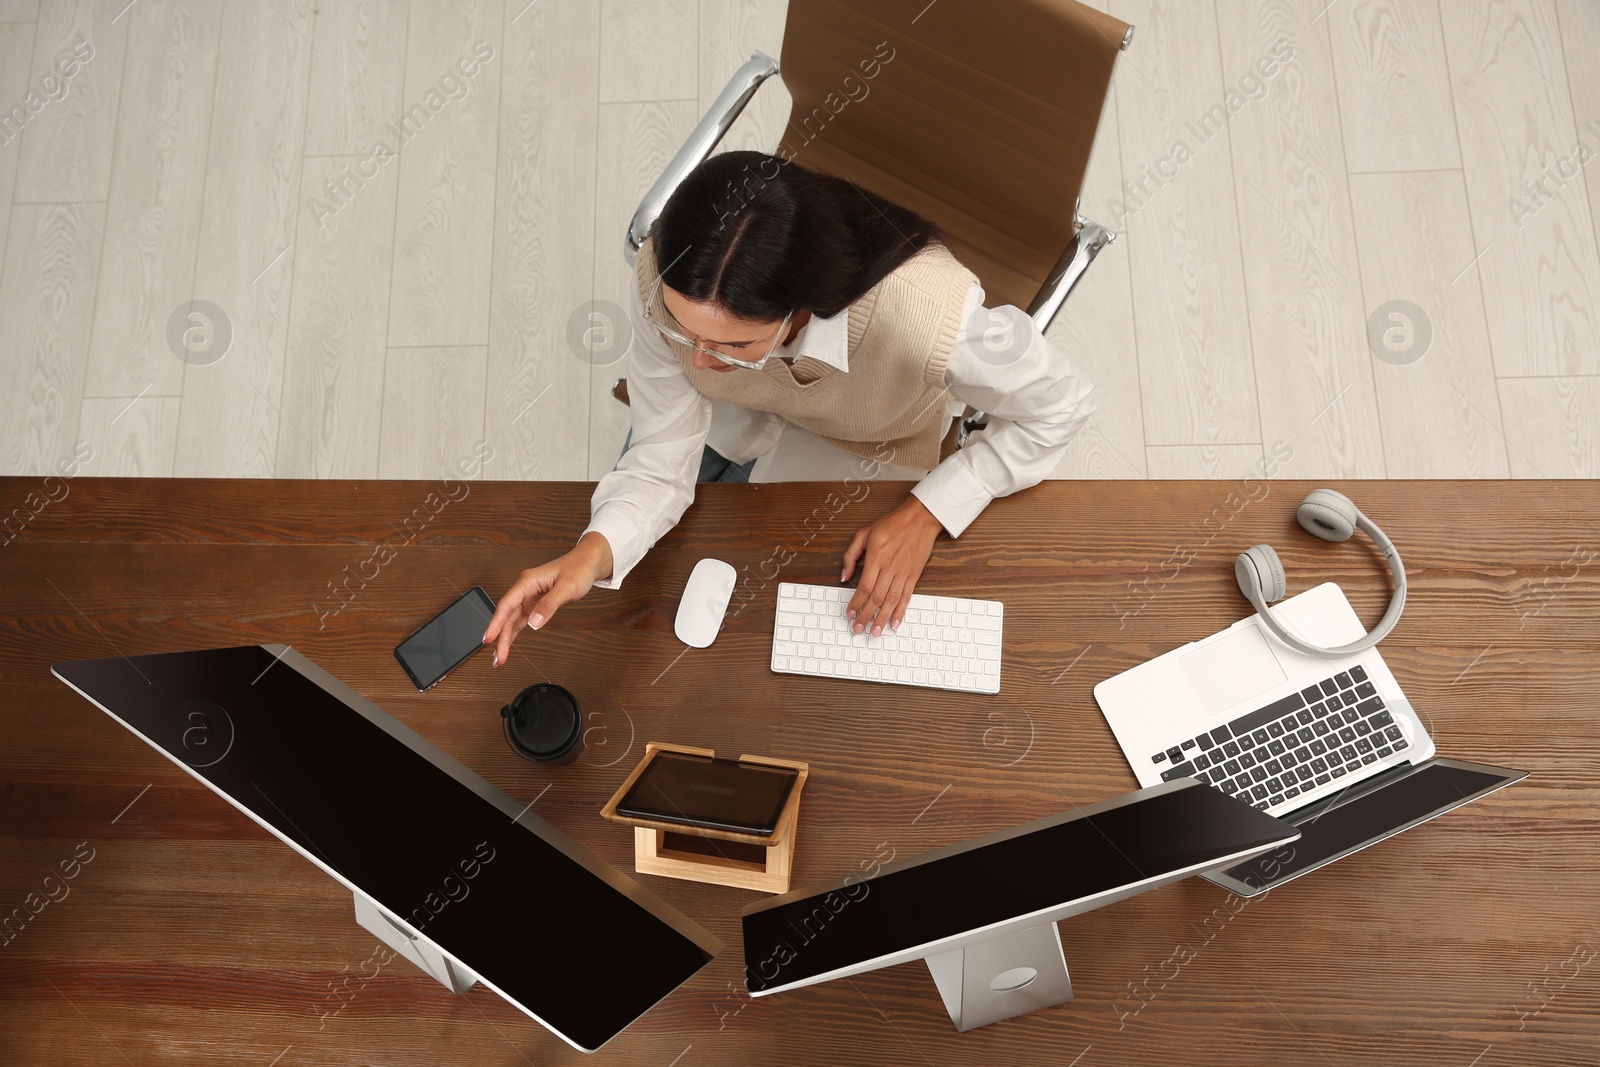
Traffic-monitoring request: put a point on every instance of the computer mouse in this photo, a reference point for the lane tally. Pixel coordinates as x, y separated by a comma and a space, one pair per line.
704, 602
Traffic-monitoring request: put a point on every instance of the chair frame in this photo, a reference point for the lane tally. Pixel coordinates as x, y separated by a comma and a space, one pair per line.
1088, 241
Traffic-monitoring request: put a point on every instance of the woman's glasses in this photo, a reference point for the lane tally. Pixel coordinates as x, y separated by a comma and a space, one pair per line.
722, 352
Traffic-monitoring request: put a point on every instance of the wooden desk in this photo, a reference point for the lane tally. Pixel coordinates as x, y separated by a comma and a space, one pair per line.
194, 937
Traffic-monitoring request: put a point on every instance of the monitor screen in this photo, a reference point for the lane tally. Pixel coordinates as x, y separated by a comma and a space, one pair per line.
914, 905
585, 951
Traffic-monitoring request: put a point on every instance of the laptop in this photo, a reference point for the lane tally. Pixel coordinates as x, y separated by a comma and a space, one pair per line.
1309, 739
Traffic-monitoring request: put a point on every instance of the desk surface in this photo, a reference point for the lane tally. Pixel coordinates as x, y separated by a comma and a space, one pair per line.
191, 936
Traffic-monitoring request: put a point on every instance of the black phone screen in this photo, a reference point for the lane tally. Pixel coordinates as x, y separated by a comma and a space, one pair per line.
719, 794
445, 641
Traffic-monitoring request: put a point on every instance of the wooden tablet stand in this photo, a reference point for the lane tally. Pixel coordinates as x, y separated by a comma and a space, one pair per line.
745, 861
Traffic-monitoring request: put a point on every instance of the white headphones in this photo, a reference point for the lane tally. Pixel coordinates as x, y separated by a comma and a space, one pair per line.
1333, 517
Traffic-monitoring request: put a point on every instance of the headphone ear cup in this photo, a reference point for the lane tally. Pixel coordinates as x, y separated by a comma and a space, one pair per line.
1328, 514
1259, 566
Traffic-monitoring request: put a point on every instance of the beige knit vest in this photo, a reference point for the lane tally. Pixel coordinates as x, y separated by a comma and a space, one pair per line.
890, 405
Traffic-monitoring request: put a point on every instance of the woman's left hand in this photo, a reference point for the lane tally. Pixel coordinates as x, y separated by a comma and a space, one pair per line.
897, 547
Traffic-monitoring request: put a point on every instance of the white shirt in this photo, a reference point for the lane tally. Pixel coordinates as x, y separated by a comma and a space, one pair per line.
1001, 364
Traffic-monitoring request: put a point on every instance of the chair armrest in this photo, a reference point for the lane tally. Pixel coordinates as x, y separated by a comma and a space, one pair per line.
1091, 238
718, 118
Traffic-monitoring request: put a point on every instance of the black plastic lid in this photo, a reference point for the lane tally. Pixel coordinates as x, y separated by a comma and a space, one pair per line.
543, 720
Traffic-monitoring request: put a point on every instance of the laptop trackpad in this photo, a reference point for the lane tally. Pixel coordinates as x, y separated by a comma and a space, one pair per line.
1234, 668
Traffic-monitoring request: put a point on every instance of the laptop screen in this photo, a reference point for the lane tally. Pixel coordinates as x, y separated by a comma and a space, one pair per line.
1432, 789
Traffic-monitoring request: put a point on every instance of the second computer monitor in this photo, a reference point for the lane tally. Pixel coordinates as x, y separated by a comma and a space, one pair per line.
982, 913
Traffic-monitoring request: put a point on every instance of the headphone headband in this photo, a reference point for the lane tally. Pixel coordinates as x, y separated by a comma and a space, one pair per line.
1327, 514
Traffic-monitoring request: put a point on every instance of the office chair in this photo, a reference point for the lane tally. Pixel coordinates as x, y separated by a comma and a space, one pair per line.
982, 119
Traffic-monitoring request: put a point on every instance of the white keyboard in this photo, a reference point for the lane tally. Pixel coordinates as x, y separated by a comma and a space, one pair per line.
943, 642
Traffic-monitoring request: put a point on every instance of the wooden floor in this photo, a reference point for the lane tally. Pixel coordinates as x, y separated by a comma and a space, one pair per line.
386, 313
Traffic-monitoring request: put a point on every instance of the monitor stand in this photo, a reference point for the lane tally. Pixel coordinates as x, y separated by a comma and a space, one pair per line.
432, 962
1002, 977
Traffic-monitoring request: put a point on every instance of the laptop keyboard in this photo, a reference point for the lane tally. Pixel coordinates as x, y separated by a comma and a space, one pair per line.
1292, 746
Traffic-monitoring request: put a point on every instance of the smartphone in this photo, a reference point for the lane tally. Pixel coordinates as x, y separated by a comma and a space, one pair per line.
713, 793
445, 641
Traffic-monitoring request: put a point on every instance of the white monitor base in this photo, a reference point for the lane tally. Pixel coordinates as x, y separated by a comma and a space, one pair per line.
434, 963
1003, 977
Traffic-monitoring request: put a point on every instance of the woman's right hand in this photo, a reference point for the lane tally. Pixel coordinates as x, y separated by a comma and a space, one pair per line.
540, 591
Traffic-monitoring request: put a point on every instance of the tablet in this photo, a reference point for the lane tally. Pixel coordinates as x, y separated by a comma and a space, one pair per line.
710, 793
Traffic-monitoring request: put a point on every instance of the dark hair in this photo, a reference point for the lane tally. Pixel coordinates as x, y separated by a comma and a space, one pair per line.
761, 237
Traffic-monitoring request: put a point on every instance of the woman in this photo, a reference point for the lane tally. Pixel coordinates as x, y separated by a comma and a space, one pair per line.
803, 305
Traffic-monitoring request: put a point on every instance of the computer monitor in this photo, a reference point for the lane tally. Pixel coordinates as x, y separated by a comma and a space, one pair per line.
982, 913
444, 857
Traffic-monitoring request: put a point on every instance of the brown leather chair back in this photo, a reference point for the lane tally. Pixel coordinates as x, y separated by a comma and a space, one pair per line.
979, 116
